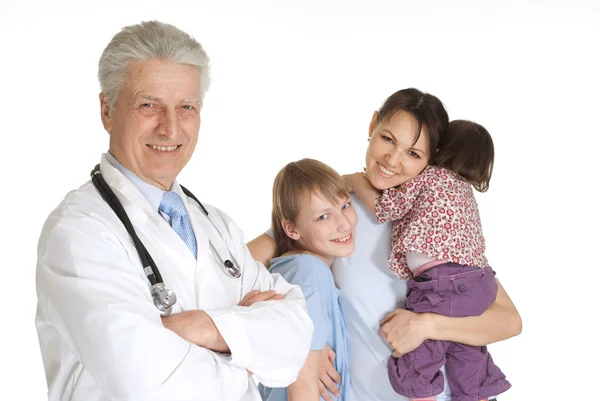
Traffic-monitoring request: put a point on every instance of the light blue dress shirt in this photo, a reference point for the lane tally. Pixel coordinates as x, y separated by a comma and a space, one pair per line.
150, 192
314, 277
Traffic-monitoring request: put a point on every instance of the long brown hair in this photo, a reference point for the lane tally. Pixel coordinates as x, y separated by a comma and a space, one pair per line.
295, 179
468, 150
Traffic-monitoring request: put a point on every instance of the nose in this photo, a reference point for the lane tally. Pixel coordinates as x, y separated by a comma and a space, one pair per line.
343, 225
394, 158
169, 123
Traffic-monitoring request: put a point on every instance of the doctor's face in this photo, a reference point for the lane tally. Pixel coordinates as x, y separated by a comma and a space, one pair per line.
154, 124
325, 229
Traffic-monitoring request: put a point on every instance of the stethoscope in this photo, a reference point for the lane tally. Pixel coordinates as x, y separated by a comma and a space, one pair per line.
163, 298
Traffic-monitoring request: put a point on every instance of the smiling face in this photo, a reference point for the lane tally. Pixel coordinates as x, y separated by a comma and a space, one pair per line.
393, 156
154, 124
322, 228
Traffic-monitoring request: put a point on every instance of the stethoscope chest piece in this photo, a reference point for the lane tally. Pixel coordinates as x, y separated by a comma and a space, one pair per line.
163, 298
231, 269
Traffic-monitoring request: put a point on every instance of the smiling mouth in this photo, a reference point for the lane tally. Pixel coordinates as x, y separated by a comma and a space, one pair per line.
160, 148
343, 240
385, 171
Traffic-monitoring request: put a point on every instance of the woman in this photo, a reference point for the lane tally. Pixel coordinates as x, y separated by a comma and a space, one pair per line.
372, 298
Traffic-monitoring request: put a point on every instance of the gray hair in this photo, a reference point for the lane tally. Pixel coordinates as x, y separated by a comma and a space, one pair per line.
146, 41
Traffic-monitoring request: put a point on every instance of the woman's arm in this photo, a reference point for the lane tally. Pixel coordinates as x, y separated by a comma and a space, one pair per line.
306, 386
405, 330
499, 322
262, 249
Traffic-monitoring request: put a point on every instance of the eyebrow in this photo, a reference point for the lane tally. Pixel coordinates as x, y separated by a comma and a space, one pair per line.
411, 148
321, 211
389, 132
329, 209
191, 100
148, 97
157, 99
418, 150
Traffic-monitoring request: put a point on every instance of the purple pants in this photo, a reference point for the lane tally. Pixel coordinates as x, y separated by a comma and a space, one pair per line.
456, 291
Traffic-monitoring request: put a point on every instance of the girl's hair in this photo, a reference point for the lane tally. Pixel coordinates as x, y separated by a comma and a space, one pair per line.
468, 150
295, 179
428, 110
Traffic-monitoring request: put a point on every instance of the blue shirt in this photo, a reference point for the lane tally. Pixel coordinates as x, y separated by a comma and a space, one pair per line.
315, 279
150, 192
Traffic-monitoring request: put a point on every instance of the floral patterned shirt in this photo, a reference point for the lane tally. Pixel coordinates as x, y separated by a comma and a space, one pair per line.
434, 214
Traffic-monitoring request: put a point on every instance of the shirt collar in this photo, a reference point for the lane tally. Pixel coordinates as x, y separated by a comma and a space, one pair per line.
152, 194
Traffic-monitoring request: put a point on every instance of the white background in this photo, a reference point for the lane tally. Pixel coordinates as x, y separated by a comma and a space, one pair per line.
301, 79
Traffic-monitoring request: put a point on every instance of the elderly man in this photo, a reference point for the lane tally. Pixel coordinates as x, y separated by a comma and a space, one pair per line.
100, 300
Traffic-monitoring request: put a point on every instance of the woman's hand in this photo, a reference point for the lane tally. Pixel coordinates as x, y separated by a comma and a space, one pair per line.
404, 330
328, 376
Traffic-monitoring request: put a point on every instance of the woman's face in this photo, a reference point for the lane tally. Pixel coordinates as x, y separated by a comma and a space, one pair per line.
322, 228
393, 156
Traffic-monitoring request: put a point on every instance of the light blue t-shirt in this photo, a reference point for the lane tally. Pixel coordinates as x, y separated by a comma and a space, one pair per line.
314, 276
369, 291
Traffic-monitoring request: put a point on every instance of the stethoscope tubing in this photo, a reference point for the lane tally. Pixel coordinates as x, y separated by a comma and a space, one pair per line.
109, 196
150, 268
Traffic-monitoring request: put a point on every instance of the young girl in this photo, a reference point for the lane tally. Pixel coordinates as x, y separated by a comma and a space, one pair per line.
313, 221
437, 244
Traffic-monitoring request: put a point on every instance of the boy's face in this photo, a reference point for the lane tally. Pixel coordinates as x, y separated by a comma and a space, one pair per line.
325, 229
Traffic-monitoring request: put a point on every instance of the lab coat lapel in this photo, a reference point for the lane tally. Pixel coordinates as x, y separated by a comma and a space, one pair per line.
170, 253
175, 262
215, 287
126, 192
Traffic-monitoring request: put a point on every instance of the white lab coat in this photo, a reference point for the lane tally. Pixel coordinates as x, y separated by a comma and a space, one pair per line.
101, 336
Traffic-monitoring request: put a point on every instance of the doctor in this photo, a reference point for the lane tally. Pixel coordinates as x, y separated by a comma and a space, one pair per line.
101, 334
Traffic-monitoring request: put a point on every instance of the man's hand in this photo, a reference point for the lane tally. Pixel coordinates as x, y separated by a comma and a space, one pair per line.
404, 330
198, 328
328, 376
257, 296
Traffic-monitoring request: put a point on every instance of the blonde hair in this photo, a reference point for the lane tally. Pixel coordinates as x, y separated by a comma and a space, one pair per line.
292, 181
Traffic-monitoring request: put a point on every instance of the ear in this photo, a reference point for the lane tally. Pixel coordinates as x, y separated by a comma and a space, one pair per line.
289, 229
373, 124
105, 113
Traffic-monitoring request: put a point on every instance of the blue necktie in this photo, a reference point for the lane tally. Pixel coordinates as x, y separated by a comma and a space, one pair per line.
172, 204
